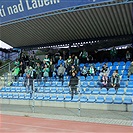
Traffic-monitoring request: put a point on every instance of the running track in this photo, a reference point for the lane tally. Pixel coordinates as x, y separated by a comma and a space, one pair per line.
19, 124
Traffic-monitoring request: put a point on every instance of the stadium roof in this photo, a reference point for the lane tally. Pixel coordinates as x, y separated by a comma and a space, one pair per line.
93, 22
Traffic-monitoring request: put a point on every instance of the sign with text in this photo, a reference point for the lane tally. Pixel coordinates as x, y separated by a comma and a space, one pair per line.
16, 9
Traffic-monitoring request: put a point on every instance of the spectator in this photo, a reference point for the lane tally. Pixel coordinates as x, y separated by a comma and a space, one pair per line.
60, 72
37, 60
69, 63
115, 80
60, 61
76, 61
73, 69
46, 59
83, 55
90, 58
104, 70
113, 53
73, 84
16, 71
51, 69
130, 71
17, 63
92, 70
128, 56
38, 71
104, 81
84, 71
45, 72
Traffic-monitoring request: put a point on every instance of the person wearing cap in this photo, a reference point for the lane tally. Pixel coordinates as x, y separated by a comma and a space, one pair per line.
130, 71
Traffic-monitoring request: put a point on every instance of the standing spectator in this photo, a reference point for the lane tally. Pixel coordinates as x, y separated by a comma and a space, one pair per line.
46, 59
51, 69
104, 70
83, 55
45, 72
38, 71
113, 53
73, 69
73, 84
76, 61
84, 71
90, 58
17, 63
37, 60
60, 72
115, 80
60, 61
130, 71
128, 56
16, 71
69, 63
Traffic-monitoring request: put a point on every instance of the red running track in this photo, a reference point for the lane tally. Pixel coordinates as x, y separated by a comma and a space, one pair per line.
19, 124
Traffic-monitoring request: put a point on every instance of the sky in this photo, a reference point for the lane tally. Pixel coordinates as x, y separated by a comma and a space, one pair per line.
4, 45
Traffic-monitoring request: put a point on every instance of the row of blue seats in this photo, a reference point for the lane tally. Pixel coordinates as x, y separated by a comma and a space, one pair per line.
76, 98
66, 90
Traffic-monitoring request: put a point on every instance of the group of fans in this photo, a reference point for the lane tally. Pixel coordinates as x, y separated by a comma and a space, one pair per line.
31, 67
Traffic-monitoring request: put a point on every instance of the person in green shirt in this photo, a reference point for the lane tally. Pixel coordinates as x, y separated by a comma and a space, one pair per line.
45, 72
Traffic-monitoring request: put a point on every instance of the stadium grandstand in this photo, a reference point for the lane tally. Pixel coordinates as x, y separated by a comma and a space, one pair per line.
70, 68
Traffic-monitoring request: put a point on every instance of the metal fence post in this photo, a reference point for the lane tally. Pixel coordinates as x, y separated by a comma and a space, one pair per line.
33, 95
79, 108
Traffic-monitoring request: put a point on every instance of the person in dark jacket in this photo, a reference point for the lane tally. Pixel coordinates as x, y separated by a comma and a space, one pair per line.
73, 84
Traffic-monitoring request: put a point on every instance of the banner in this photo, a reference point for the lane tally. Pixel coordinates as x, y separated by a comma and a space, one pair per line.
16, 9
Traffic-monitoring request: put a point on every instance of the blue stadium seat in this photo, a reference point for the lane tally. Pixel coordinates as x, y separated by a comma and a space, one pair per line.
21, 79
59, 84
60, 90
84, 84
82, 78
122, 63
127, 100
97, 64
95, 78
120, 91
130, 84
131, 78
88, 78
109, 64
53, 90
111, 91
91, 99
87, 91
3, 89
83, 98
22, 96
42, 84
23, 89
114, 68
127, 68
7, 89
15, 84
13, 89
118, 100
65, 83
47, 84
66, 90
108, 99
115, 63
123, 84
124, 78
128, 63
36, 84
60, 98
5, 95
27, 96
100, 99
103, 91
15, 96
53, 83
129, 91
81, 65
92, 84
18, 89
39, 97
47, 90
95, 91
53, 98
20, 84
68, 98
1, 95
46, 97
75, 98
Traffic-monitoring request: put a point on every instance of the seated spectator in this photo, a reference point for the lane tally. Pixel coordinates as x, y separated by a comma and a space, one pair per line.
45, 72
92, 70
60, 61
130, 71
60, 72
115, 80
76, 63
104, 81
128, 56
104, 69
84, 71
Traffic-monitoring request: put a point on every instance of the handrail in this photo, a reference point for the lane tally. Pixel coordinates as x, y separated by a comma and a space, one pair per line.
6, 64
